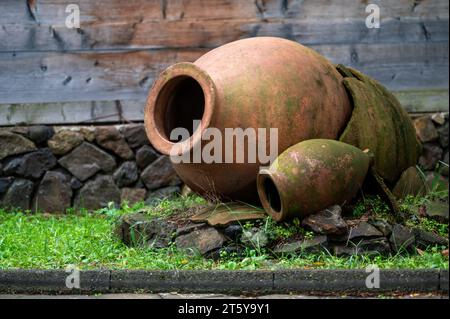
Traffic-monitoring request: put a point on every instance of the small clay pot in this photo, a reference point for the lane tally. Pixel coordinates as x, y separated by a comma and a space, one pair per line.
311, 176
254, 83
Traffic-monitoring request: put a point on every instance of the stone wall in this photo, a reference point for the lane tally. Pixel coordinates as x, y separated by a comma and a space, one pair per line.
53, 168
432, 131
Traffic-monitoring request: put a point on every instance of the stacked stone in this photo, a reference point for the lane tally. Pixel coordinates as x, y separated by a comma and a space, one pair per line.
53, 168
332, 233
432, 131
50, 169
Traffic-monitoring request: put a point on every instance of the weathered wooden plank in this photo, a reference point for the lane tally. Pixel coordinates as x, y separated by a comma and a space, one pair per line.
185, 34
52, 12
72, 112
424, 101
133, 110
35, 77
139, 24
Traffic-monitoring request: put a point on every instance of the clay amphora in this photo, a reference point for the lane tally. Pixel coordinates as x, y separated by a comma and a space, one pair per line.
253, 83
311, 176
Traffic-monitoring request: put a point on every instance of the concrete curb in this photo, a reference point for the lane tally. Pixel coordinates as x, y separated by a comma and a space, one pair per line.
222, 281
35, 281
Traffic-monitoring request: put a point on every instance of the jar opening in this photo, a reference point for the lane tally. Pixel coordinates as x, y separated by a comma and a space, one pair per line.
180, 104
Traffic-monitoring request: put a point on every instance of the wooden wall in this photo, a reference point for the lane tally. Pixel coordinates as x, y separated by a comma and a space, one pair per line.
103, 71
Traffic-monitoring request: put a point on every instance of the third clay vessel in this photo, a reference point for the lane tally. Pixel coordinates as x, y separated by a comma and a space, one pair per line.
311, 176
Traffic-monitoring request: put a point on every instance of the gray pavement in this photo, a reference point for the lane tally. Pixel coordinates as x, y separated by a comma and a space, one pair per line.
222, 296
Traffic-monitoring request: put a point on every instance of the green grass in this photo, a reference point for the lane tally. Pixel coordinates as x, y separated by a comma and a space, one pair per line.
86, 240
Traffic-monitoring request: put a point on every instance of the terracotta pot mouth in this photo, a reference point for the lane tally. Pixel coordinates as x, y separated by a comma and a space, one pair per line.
179, 108
269, 195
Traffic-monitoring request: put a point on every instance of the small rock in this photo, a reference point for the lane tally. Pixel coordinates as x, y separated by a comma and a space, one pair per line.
14, 144
19, 194
233, 231
430, 156
254, 238
383, 226
402, 237
54, 193
202, 240
145, 156
110, 138
189, 228
126, 174
31, 165
364, 229
156, 196
425, 238
141, 230
88, 133
39, 134
327, 222
64, 141
443, 135
97, 193
425, 129
159, 174
437, 211
135, 135
313, 245
132, 195
4, 183
374, 246
438, 118
86, 160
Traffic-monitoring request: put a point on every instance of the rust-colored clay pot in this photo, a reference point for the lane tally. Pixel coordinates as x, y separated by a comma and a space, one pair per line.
255, 83
310, 176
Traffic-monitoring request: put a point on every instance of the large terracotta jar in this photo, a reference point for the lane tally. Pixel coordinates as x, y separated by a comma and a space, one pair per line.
254, 83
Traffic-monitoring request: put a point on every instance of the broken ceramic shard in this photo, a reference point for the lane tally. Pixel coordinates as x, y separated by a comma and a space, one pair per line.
379, 123
226, 213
